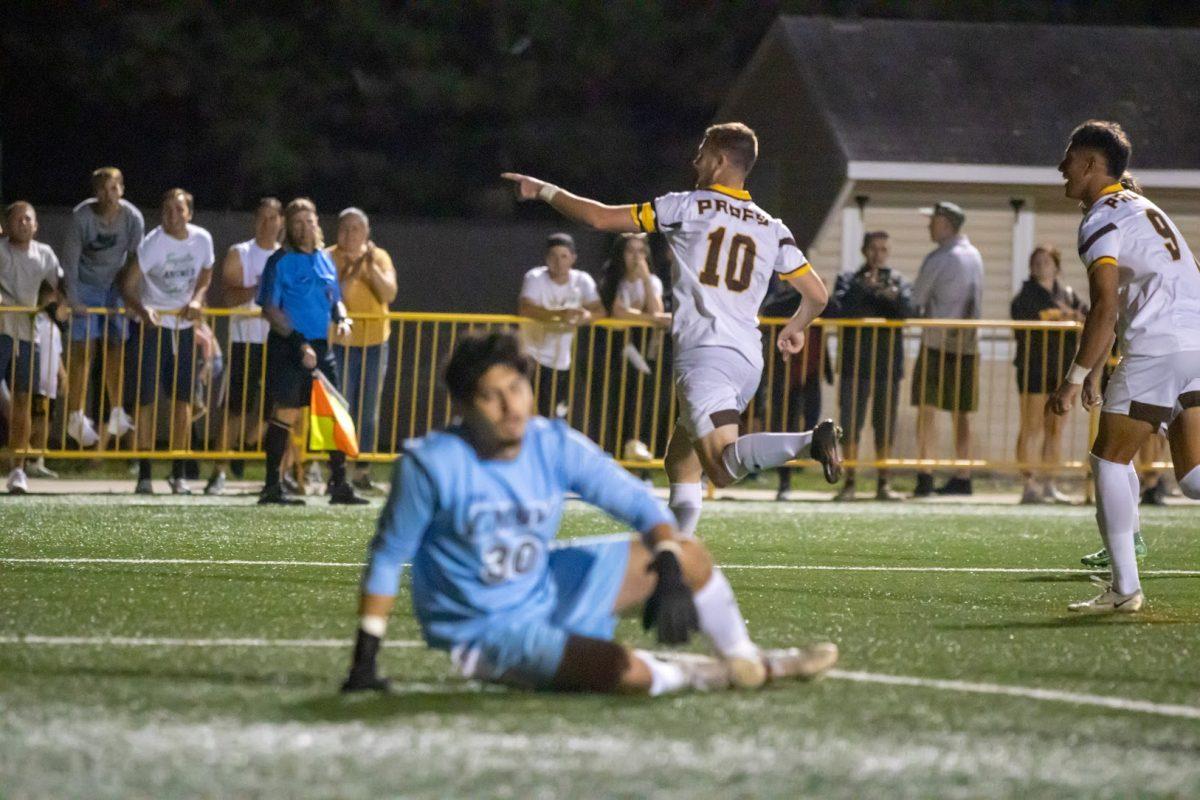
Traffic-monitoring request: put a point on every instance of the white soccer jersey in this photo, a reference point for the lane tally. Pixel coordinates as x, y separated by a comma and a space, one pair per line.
725, 249
170, 268
1159, 277
254, 261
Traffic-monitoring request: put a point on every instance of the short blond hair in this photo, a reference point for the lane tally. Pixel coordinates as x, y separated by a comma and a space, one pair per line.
736, 140
102, 176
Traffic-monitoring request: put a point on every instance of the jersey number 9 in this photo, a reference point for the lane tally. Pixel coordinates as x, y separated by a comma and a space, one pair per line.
1164, 230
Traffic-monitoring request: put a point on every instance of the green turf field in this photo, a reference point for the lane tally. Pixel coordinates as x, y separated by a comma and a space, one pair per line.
82, 716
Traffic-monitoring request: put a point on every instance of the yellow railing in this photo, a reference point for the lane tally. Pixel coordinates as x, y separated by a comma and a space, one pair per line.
617, 388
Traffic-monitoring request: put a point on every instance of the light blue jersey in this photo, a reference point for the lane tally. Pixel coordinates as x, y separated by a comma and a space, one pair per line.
478, 533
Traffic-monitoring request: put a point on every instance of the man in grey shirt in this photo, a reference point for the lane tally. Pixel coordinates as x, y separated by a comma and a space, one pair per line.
949, 285
103, 237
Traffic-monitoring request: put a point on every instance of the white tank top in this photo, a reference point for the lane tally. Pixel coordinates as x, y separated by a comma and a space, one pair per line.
254, 261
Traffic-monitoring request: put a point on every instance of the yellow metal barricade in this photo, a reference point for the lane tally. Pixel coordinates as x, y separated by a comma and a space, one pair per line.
933, 393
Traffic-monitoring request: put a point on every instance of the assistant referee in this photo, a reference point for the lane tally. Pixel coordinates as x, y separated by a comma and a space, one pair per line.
299, 295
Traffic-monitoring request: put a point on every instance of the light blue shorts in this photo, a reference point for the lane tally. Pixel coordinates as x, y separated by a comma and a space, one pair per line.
527, 651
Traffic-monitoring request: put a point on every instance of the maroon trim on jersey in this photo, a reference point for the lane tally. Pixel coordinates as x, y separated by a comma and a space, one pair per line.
1095, 237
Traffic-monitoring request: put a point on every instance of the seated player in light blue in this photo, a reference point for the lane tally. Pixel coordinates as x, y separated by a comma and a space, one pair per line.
476, 509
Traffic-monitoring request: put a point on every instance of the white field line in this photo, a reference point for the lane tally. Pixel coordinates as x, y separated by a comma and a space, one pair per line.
807, 567
968, 687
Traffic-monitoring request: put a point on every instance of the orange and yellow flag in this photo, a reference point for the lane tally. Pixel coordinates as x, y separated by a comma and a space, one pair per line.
330, 426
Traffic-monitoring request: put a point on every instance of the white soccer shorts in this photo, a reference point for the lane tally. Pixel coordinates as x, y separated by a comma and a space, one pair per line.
1154, 389
714, 385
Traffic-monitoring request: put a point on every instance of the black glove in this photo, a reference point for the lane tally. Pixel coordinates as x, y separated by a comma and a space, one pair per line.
364, 674
670, 609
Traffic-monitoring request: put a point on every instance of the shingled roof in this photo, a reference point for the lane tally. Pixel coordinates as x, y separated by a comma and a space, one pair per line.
832, 94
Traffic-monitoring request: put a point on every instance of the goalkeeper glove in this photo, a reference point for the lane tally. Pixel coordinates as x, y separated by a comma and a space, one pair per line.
670, 608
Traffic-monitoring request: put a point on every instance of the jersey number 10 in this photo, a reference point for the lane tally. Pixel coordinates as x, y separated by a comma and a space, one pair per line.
739, 268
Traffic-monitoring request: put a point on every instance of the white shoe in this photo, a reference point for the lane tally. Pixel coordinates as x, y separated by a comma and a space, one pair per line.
1053, 495
1108, 601
786, 496
179, 486
38, 469
81, 429
637, 451
802, 663
17, 482
119, 422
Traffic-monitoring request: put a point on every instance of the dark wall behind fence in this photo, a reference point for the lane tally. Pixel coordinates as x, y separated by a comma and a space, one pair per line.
441, 265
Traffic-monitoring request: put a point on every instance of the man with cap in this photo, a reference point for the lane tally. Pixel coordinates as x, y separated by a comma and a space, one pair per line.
949, 285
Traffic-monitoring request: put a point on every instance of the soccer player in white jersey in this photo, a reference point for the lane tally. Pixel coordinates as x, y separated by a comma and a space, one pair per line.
165, 287
1145, 282
725, 249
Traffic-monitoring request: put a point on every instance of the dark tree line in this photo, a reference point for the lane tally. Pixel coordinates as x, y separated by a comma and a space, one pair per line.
411, 108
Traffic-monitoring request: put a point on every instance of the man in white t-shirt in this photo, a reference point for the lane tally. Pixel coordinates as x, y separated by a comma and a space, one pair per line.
726, 248
164, 290
26, 266
241, 272
561, 299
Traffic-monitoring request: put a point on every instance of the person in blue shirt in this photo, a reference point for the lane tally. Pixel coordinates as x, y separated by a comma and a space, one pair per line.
475, 509
300, 295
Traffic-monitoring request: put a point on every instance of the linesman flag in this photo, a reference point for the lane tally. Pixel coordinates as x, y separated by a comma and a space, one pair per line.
330, 426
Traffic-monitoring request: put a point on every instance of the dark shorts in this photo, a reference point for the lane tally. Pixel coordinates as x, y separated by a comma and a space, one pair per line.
289, 384
19, 373
948, 381
160, 364
1038, 380
245, 376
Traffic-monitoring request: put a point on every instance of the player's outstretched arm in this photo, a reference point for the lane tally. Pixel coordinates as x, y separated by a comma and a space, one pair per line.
602, 217
813, 299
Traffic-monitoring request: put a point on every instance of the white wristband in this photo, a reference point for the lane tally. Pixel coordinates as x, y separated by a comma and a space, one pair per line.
1078, 374
373, 624
547, 192
670, 544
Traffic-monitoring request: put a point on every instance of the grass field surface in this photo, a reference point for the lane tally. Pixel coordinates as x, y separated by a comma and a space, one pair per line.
179, 649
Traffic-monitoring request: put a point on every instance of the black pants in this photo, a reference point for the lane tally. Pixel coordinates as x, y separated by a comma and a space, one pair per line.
553, 390
857, 388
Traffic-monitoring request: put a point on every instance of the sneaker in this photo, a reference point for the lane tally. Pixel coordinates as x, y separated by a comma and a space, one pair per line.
1054, 496
119, 422
38, 469
885, 494
342, 494
955, 486
826, 450
17, 482
290, 486
1100, 558
1109, 601
924, 485
313, 474
803, 663
144, 486
275, 496
786, 496
362, 481
216, 484
1032, 497
846, 494
635, 450
81, 429
179, 485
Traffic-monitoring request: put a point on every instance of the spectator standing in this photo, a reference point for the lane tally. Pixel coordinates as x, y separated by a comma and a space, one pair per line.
559, 299
949, 285
368, 283
241, 273
49, 325
27, 267
300, 295
102, 240
1042, 360
630, 290
165, 288
872, 358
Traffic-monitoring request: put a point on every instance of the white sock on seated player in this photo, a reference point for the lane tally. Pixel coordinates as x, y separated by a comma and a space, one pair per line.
1190, 484
721, 620
1116, 508
665, 677
758, 451
685, 501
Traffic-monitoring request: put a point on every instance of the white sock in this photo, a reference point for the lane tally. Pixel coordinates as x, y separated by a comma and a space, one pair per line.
664, 677
721, 619
755, 452
685, 501
1135, 486
1115, 504
1190, 484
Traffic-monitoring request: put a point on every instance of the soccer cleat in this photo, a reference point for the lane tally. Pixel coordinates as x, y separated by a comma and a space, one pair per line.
17, 482
826, 450
38, 469
1109, 601
81, 429
119, 422
144, 486
747, 673
1100, 558
636, 450
275, 496
342, 494
801, 663
216, 484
